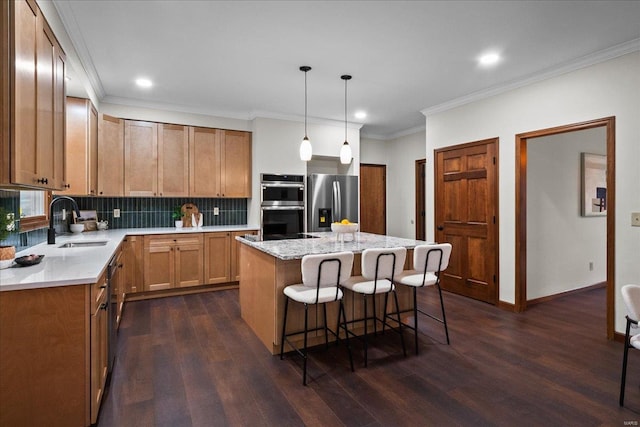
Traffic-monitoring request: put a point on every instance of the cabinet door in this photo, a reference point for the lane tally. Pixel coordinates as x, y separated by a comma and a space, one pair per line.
118, 288
59, 118
173, 160
99, 351
92, 148
236, 171
234, 249
159, 263
110, 156
217, 258
140, 158
24, 143
133, 262
79, 150
189, 256
204, 162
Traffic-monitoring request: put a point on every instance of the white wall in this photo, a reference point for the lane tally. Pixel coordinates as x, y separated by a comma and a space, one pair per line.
401, 183
276, 150
611, 88
560, 242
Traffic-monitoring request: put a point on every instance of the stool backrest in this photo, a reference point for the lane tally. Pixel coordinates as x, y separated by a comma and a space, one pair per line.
383, 263
631, 297
331, 268
435, 257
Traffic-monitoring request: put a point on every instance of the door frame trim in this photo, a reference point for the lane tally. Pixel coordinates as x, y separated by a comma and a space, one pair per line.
424, 196
521, 209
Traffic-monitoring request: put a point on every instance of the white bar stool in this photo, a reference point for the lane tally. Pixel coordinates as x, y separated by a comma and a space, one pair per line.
428, 262
321, 278
379, 268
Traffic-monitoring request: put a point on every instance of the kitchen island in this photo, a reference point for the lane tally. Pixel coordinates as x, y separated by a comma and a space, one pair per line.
266, 268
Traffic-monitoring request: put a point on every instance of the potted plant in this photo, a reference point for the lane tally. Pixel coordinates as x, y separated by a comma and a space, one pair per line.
177, 216
7, 225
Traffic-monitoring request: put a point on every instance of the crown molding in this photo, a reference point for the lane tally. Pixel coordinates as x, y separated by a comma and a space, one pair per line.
583, 62
296, 118
77, 40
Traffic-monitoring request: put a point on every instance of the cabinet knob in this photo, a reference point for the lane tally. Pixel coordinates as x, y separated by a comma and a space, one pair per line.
103, 306
42, 181
67, 186
101, 192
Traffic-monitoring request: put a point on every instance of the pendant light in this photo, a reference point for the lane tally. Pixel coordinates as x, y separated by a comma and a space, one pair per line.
345, 151
305, 147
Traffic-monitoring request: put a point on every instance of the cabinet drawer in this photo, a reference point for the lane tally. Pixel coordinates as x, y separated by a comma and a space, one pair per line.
98, 293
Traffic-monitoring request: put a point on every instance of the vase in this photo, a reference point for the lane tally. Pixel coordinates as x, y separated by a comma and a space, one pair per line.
178, 224
7, 255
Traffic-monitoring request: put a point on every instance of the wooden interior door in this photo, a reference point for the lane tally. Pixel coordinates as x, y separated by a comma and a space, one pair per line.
373, 198
421, 233
465, 216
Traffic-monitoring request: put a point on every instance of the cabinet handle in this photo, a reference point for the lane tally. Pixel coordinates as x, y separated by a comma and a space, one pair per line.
42, 181
120, 265
67, 186
103, 306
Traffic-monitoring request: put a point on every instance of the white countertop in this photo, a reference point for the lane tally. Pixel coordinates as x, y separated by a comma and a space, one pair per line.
327, 243
82, 265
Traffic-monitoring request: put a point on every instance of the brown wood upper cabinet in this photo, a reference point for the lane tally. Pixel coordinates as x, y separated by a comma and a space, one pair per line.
82, 148
173, 160
220, 163
110, 156
140, 158
32, 85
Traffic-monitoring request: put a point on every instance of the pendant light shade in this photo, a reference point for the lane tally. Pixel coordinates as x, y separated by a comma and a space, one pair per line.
306, 150
345, 151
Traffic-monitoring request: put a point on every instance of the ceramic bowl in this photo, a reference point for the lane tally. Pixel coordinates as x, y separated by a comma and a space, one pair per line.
344, 228
77, 228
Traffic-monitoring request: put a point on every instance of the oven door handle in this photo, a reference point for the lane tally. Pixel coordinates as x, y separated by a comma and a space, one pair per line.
300, 186
283, 208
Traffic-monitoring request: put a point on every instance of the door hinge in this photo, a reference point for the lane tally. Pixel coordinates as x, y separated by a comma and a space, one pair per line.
494, 278
494, 219
494, 160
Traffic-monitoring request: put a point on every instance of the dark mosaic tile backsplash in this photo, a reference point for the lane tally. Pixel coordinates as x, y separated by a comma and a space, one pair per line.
135, 212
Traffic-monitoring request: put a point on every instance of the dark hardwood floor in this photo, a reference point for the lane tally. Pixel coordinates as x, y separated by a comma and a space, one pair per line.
192, 361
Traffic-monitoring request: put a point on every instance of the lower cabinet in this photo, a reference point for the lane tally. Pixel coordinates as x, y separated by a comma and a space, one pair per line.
99, 340
217, 258
53, 355
172, 261
235, 253
132, 264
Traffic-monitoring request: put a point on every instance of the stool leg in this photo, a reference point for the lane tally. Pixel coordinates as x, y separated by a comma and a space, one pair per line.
404, 348
365, 330
624, 363
415, 317
344, 318
384, 314
326, 331
444, 318
284, 325
306, 320
375, 316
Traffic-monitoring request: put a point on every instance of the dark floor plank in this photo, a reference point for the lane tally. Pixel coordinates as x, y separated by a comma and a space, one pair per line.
192, 361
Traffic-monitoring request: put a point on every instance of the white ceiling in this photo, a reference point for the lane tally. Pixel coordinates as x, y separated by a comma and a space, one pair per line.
241, 59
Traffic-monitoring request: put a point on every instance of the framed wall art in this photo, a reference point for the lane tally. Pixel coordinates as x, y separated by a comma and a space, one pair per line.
594, 184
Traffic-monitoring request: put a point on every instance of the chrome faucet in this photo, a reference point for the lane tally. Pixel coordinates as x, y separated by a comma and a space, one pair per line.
51, 232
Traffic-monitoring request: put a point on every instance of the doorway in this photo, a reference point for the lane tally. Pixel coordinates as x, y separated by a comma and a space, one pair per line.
521, 209
466, 215
421, 233
373, 198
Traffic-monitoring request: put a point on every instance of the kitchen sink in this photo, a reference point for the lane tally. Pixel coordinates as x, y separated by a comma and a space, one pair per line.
83, 244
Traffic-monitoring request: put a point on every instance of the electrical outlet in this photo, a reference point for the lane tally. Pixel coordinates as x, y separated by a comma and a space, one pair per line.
216, 211
635, 219
591, 266
116, 213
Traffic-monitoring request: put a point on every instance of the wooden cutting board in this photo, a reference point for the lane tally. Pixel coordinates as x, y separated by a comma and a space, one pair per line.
189, 209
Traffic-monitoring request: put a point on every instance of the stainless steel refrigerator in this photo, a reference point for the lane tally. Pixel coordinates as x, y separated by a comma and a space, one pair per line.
331, 198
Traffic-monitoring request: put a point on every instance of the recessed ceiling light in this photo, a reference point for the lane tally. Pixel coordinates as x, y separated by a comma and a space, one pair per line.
360, 115
489, 59
144, 82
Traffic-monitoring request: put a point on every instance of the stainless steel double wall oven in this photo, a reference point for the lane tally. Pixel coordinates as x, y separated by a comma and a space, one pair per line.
282, 206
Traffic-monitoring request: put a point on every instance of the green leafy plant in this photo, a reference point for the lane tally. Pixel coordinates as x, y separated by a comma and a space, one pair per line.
177, 213
7, 223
